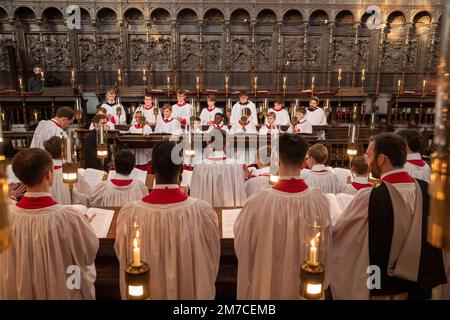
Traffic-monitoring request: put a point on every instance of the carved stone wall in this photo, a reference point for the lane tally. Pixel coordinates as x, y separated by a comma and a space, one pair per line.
319, 37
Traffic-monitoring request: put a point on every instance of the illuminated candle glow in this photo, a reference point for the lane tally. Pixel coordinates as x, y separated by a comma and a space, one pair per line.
136, 253
313, 253
363, 75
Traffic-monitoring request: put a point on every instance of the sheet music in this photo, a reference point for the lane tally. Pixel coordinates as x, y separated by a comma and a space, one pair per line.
93, 177
136, 174
101, 223
229, 217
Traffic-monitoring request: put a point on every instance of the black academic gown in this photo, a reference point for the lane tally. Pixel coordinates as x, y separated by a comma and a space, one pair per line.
34, 83
90, 153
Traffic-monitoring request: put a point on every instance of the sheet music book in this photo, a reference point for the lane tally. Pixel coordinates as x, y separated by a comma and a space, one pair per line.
136, 174
229, 217
101, 219
93, 177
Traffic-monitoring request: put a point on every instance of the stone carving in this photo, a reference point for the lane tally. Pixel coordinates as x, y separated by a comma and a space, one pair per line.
57, 52
134, 15
87, 51
187, 15
138, 53
35, 50
266, 16
160, 15
189, 54
4, 59
312, 58
212, 54
292, 16
264, 54
393, 56
343, 56
160, 48
214, 17
240, 54
363, 53
109, 55
106, 16
240, 16
293, 53
411, 55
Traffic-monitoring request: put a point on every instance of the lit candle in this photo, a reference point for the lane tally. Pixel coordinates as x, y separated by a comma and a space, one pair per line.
313, 253
35, 116
168, 85
119, 74
20, 81
3, 116
340, 75
353, 134
136, 253
255, 83
372, 118
284, 84
77, 106
101, 134
424, 87
363, 75
399, 83
226, 84
197, 85
73, 75
144, 76
312, 81
42, 76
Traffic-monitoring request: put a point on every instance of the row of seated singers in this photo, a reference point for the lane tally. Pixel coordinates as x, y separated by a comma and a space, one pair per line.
179, 234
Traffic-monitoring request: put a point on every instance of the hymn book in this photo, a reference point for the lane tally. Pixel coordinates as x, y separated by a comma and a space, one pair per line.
229, 217
100, 219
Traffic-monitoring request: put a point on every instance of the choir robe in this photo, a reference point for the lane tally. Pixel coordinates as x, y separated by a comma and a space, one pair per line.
207, 115
282, 118
111, 109
110, 125
416, 167
245, 155
117, 192
260, 179
221, 126
147, 112
44, 131
322, 178
60, 191
183, 111
342, 175
47, 239
269, 241
357, 184
303, 126
267, 129
316, 117
179, 240
170, 125
352, 246
143, 156
236, 113
219, 181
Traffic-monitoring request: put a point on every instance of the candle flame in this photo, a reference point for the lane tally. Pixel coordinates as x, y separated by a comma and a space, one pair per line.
313, 243
135, 243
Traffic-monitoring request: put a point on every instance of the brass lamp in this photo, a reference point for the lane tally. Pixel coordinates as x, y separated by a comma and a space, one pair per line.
102, 146
4, 198
439, 189
352, 145
137, 273
69, 166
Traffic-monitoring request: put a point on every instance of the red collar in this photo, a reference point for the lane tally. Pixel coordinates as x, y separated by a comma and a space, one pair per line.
113, 120
36, 202
319, 171
167, 121
165, 196
217, 159
56, 122
398, 177
269, 127
121, 183
277, 109
291, 186
302, 121
137, 126
182, 104
148, 108
419, 163
218, 127
210, 110
359, 186
188, 168
240, 122
57, 167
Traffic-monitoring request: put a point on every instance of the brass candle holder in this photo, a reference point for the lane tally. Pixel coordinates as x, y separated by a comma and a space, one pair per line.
312, 277
137, 279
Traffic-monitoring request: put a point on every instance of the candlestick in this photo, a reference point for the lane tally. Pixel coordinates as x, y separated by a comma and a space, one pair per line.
284, 84
340, 76
136, 253
144, 75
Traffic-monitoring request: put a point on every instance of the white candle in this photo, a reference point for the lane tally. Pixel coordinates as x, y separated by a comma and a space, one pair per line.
372, 119
313, 253
144, 76
136, 253
399, 83
424, 85
340, 75
20, 81
101, 134
73, 74
69, 149
77, 104
42, 75
312, 81
353, 134
363, 75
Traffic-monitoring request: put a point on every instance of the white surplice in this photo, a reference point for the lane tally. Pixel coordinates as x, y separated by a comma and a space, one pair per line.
112, 110
236, 113
269, 241
219, 181
60, 191
322, 178
421, 172
44, 131
303, 126
179, 241
282, 116
143, 156
45, 243
259, 180
147, 112
207, 115
108, 194
170, 125
350, 188
182, 111
316, 117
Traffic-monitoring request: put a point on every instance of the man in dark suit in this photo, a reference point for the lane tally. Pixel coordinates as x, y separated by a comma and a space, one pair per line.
36, 82
90, 146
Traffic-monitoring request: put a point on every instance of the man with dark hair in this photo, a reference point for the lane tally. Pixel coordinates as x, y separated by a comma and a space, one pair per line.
415, 166
386, 227
122, 188
54, 127
178, 235
243, 104
282, 116
314, 114
270, 229
90, 145
48, 238
60, 190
